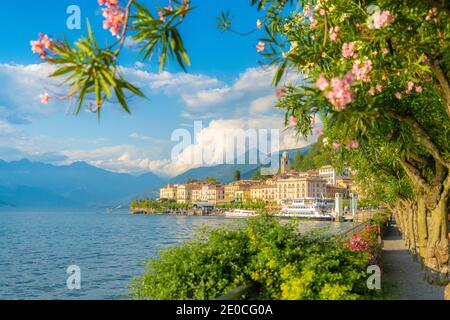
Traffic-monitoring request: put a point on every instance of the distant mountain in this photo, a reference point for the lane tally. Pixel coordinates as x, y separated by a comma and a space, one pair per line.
224, 172
34, 184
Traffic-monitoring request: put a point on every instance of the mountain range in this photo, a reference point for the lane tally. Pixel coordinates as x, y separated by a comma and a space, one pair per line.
39, 185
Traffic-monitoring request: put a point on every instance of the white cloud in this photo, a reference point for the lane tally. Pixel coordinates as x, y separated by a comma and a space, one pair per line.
143, 137
170, 83
212, 145
119, 158
251, 93
263, 104
20, 88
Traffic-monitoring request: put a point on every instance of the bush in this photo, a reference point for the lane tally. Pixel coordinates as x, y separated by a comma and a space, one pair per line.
282, 263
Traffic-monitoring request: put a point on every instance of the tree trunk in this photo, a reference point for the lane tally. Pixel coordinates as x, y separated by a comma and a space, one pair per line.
437, 257
422, 229
411, 233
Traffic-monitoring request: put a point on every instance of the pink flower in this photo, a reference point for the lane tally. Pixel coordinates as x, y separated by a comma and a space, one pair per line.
44, 98
114, 19
336, 146
426, 60
280, 92
340, 94
41, 44
419, 89
322, 83
322, 12
114, 16
372, 91
385, 50
361, 70
307, 13
409, 86
260, 47
347, 49
112, 4
382, 19
354, 144
379, 87
334, 34
162, 14
313, 24
292, 122
398, 95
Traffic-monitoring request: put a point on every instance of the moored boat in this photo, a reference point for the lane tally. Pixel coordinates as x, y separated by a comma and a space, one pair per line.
240, 213
308, 208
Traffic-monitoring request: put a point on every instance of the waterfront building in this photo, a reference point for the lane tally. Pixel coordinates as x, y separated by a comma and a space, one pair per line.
266, 191
328, 173
301, 187
287, 185
169, 192
184, 192
333, 177
213, 193
333, 189
239, 191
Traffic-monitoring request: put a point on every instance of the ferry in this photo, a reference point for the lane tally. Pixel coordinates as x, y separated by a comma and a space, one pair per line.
239, 213
308, 208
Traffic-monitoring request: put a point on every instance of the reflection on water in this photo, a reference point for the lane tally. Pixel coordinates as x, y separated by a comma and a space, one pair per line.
37, 246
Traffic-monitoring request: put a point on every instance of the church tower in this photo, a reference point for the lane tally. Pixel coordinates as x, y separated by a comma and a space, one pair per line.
285, 165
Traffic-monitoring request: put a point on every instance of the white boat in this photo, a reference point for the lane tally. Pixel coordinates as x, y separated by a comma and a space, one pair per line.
239, 213
308, 208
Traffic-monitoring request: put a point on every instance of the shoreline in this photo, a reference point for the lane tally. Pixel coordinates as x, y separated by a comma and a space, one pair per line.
198, 212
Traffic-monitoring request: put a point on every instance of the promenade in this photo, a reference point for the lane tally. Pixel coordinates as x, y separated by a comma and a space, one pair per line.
403, 273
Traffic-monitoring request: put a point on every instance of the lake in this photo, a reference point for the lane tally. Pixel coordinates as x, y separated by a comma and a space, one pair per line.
37, 247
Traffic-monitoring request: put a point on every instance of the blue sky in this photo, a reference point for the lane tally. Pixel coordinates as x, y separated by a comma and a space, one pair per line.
225, 87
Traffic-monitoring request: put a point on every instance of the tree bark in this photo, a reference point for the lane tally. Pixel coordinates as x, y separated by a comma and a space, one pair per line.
422, 229
437, 258
411, 233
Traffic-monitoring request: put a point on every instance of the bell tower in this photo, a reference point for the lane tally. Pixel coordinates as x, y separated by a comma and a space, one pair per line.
285, 165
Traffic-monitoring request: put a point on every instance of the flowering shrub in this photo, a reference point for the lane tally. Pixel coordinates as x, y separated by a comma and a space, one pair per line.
282, 263
367, 241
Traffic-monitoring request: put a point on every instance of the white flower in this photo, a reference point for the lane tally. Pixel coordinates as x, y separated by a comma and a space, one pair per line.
259, 24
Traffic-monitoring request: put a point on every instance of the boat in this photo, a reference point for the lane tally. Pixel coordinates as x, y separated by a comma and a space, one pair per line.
308, 208
239, 213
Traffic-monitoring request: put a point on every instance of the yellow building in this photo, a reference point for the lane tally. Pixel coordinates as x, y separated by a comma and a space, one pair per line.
239, 191
332, 189
301, 187
345, 182
169, 192
196, 193
214, 193
184, 192
266, 191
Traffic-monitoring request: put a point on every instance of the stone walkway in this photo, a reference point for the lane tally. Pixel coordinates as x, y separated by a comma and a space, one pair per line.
403, 274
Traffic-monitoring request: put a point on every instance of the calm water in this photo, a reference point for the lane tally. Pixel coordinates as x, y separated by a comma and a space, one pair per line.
36, 247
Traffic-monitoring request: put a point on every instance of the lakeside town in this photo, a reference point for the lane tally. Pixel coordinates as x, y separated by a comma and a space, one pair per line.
318, 194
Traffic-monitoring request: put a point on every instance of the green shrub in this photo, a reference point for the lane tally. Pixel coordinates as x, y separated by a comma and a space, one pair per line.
281, 262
